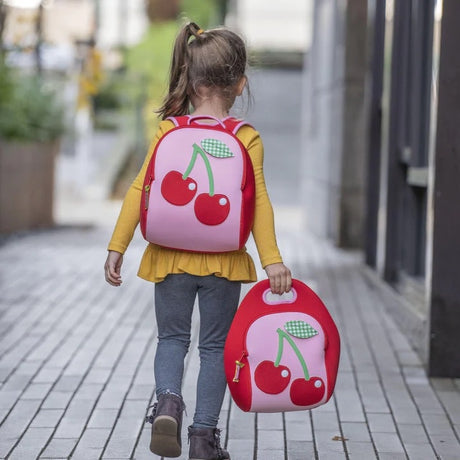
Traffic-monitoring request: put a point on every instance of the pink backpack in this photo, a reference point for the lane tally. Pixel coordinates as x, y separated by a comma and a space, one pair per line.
199, 189
281, 354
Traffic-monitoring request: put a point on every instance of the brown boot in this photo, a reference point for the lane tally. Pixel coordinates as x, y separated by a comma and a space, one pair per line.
205, 444
166, 420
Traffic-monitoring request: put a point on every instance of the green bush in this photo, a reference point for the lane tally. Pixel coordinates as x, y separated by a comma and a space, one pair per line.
120, 90
206, 13
151, 58
29, 110
108, 97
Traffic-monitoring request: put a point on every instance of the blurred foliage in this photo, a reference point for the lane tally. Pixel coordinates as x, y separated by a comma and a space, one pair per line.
206, 13
118, 91
121, 94
151, 58
109, 96
29, 109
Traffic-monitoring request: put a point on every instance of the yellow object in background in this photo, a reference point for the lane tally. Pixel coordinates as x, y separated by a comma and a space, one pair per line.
90, 78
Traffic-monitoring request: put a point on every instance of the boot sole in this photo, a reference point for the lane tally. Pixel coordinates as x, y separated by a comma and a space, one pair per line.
204, 459
164, 437
228, 458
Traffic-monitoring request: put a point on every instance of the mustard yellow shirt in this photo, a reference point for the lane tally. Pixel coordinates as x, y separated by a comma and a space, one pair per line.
157, 262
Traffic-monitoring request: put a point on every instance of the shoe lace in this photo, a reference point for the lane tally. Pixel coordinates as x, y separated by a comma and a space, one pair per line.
220, 454
149, 418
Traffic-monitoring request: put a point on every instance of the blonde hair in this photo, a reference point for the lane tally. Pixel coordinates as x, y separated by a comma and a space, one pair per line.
214, 59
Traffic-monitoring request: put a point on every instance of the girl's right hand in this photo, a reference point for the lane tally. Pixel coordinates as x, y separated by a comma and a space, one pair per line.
280, 278
112, 268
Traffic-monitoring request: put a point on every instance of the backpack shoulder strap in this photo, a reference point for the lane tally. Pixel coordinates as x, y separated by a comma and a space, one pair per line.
179, 121
233, 124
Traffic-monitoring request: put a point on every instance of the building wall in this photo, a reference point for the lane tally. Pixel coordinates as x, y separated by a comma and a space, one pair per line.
118, 22
444, 269
121, 22
334, 119
63, 23
381, 155
274, 26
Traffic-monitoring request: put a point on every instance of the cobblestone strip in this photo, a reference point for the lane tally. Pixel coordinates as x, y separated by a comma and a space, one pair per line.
64, 383
130, 421
29, 312
439, 433
113, 336
65, 387
270, 436
35, 361
32, 319
242, 439
346, 405
299, 435
394, 400
404, 408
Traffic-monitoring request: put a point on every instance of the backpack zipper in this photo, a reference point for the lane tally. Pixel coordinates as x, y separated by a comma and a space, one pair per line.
147, 195
238, 366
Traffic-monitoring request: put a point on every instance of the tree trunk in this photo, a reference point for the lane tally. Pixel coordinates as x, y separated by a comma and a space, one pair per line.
161, 10
2, 22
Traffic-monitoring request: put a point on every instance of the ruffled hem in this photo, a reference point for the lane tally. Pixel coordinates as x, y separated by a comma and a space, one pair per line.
158, 262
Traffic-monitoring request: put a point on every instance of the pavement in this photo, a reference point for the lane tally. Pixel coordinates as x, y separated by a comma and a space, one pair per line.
76, 355
76, 363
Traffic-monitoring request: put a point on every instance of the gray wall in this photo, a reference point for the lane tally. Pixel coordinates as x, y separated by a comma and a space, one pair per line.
333, 140
444, 350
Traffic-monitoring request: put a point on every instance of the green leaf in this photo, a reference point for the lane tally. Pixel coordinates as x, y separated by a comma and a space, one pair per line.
216, 148
300, 329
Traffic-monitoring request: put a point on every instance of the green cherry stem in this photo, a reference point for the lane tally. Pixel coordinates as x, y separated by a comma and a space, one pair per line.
197, 150
280, 347
191, 164
281, 336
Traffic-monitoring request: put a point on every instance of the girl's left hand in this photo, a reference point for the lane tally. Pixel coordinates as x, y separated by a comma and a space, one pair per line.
280, 278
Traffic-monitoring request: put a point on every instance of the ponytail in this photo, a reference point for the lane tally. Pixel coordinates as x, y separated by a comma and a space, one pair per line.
214, 59
177, 102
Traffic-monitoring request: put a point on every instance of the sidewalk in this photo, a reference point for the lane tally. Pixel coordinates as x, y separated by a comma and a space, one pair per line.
76, 361
76, 355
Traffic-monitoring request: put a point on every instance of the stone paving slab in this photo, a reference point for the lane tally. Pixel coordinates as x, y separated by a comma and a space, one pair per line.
76, 362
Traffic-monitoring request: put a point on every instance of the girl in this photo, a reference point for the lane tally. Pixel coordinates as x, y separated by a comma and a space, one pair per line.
207, 74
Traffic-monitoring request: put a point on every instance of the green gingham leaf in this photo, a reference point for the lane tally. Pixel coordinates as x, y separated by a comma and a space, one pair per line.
216, 148
300, 329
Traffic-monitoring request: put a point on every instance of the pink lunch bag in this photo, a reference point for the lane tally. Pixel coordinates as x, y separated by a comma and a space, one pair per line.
281, 354
199, 189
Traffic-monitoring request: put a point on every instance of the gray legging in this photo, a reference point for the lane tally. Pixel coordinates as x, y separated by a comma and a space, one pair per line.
174, 299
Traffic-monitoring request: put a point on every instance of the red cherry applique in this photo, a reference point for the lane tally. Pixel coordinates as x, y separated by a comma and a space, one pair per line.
177, 190
212, 210
272, 379
307, 392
